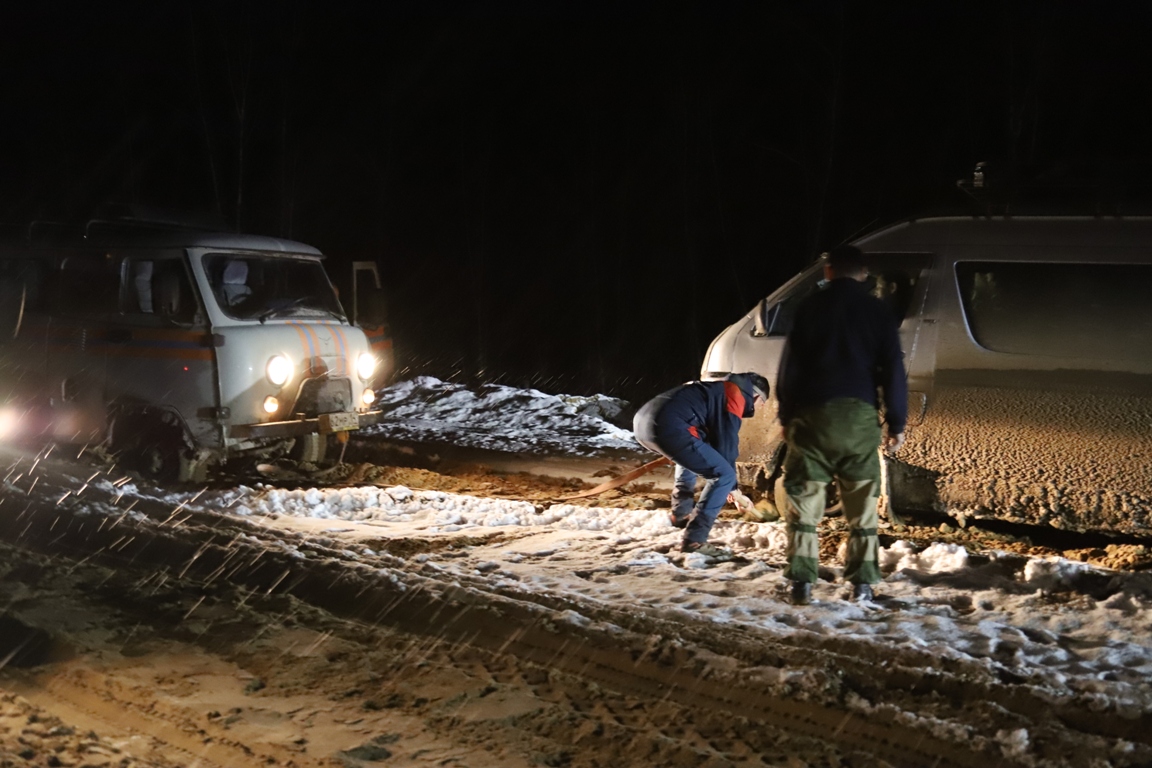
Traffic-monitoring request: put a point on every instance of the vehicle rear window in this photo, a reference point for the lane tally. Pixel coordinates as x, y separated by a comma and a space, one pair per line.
1096, 311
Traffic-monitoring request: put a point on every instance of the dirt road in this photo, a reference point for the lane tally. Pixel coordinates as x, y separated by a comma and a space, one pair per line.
175, 633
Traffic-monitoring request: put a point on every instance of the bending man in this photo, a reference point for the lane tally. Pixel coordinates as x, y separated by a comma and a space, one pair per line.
697, 426
842, 348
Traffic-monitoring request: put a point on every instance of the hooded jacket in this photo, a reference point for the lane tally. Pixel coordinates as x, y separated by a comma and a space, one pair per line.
711, 411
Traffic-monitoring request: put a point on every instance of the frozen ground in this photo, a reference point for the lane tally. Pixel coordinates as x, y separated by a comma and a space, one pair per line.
533, 631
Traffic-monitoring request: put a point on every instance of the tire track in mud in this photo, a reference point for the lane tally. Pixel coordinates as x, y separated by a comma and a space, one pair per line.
650, 668
632, 654
169, 730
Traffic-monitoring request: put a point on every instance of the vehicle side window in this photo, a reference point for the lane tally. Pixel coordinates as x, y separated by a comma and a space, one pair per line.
778, 318
1060, 310
894, 287
159, 288
891, 278
88, 284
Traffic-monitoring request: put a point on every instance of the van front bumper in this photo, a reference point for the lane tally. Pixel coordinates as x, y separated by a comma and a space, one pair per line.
325, 423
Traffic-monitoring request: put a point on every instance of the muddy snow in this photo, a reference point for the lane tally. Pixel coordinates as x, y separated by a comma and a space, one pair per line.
441, 613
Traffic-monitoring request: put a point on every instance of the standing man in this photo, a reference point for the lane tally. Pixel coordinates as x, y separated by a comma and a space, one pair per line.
843, 347
697, 426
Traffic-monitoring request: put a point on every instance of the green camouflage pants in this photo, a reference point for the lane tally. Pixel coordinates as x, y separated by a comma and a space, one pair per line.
836, 440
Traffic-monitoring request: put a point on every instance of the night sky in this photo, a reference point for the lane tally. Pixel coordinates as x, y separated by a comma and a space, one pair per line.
576, 196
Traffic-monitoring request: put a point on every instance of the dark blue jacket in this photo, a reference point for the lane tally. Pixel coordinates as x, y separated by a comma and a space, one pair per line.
699, 410
843, 343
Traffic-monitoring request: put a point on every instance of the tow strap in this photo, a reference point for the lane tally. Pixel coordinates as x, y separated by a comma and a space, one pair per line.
619, 481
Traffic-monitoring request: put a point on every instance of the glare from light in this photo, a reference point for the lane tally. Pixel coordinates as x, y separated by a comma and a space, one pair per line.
9, 423
279, 370
366, 365
368, 397
271, 404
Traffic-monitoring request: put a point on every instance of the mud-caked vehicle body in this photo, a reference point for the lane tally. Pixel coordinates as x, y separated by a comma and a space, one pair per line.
1028, 347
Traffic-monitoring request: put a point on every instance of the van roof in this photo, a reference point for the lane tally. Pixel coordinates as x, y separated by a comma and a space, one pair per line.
931, 232
163, 237
193, 239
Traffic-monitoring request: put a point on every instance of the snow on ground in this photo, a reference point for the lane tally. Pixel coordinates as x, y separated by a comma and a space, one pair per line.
501, 418
1065, 624
992, 608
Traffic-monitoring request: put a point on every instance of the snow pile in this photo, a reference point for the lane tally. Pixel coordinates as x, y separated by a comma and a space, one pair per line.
501, 418
447, 511
937, 558
1052, 573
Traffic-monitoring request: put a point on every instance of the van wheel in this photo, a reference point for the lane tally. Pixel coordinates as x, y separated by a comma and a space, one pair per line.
155, 447
310, 449
164, 457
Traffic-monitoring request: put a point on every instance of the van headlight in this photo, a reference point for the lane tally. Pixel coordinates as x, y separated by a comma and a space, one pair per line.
279, 370
366, 365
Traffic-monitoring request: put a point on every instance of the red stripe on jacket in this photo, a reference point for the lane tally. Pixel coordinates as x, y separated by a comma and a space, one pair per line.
734, 399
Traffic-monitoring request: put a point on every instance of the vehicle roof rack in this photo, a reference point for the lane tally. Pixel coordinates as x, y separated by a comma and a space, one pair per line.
121, 216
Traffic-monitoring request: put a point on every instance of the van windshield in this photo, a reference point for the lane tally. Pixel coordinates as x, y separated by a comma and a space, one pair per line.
250, 287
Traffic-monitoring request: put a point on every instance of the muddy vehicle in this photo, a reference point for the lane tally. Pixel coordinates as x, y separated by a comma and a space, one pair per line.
177, 348
1028, 345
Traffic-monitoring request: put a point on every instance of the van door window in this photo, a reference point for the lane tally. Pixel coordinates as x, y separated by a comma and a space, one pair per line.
892, 278
894, 287
158, 288
778, 318
1098, 311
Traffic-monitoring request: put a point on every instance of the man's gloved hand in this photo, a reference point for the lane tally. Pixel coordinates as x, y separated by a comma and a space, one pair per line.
742, 503
893, 443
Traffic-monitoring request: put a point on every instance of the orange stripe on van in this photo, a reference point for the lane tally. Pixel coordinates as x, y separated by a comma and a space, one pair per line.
317, 353
345, 367
305, 347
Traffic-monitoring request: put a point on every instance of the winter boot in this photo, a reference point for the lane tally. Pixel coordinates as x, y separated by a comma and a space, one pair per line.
706, 549
801, 592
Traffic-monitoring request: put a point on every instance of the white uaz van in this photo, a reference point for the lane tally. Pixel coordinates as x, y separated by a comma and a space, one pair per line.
1028, 346
179, 348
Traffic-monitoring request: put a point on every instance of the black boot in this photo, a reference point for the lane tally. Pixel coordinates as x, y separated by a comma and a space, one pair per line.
801, 592
862, 593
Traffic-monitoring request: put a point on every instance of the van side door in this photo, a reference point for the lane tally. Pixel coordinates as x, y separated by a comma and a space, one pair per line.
903, 281
161, 363
369, 313
83, 298
23, 319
